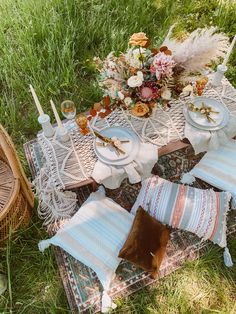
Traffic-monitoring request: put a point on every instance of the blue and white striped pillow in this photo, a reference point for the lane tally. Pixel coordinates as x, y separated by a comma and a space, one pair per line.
218, 168
95, 235
202, 212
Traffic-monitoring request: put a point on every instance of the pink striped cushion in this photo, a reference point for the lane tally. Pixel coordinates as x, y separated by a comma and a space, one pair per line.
202, 212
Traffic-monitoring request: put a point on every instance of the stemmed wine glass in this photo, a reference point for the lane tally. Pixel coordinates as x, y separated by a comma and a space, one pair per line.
68, 109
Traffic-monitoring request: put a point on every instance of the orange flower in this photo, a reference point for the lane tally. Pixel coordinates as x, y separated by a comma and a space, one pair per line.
139, 39
203, 80
140, 109
200, 85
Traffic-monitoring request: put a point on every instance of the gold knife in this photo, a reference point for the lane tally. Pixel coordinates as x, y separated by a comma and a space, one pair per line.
109, 141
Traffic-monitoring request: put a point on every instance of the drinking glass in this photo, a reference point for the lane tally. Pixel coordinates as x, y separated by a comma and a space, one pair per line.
82, 121
68, 109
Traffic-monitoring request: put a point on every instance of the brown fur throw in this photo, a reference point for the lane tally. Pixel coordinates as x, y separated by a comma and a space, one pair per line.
146, 243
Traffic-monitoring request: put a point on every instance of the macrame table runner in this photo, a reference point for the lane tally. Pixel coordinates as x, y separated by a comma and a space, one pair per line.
72, 163
81, 284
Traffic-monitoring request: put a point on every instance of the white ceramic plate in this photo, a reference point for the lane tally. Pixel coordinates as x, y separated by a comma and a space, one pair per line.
201, 120
108, 154
201, 127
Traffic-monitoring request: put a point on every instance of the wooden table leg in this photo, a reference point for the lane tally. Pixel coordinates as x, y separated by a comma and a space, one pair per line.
94, 186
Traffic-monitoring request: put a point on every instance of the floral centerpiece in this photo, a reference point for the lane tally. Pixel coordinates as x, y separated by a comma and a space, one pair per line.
144, 75
139, 78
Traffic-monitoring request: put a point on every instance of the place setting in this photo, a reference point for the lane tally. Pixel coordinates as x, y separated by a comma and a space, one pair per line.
208, 123
206, 114
121, 154
116, 145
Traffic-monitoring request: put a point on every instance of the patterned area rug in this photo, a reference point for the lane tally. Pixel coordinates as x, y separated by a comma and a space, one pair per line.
81, 284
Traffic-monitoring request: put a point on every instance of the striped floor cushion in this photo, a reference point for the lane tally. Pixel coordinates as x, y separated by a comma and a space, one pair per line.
94, 236
202, 212
218, 168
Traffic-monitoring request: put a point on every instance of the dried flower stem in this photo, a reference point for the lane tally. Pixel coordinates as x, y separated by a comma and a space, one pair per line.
141, 57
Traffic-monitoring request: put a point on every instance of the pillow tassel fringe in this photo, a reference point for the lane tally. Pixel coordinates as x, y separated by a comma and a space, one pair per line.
233, 202
102, 190
44, 244
227, 258
188, 178
107, 303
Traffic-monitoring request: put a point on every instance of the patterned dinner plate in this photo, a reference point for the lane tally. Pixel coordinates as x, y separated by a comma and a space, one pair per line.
109, 155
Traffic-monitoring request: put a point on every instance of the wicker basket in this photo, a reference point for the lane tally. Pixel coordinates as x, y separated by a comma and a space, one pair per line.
16, 196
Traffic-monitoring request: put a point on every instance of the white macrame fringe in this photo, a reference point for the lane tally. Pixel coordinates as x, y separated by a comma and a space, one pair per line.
54, 204
107, 304
44, 244
227, 258
187, 178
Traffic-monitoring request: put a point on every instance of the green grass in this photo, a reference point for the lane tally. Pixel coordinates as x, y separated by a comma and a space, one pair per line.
50, 44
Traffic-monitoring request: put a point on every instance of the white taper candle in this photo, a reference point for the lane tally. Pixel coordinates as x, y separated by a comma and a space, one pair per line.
59, 123
226, 59
36, 100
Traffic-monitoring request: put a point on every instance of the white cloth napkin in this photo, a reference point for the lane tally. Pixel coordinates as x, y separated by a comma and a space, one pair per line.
203, 141
112, 176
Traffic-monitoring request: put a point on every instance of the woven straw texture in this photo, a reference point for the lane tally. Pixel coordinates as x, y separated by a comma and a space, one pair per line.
16, 197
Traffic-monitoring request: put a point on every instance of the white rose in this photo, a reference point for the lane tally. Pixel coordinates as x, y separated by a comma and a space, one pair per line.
140, 74
166, 94
135, 81
133, 57
121, 96
187, 90
128, 101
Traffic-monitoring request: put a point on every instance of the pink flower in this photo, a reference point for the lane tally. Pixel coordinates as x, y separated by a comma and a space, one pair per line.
162, 65
149, 91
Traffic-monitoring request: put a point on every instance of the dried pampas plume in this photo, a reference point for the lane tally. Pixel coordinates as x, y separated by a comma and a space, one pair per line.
202, 47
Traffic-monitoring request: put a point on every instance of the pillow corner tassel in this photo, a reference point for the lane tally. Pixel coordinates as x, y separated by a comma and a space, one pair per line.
44, 244
188, 178
227, 258
107, 303
102, 190
233, 203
